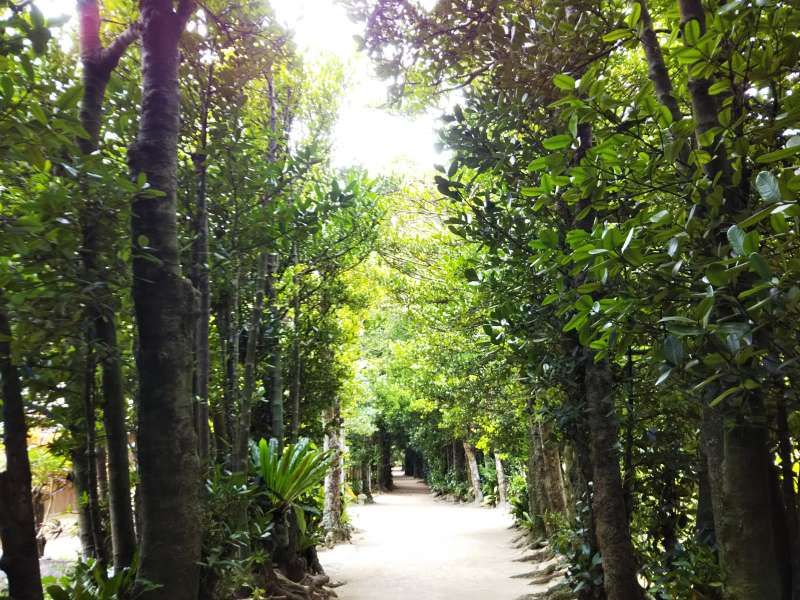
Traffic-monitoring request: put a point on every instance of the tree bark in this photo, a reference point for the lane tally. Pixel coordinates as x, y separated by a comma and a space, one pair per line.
89, 458
553, 478
474, 473
165, 317
747, 543
608, 500
276, 359
98, 64
200, 278
788, 494
502, 484
657, 69
332, 509
20, 559
296, 355
385, 483
239, 461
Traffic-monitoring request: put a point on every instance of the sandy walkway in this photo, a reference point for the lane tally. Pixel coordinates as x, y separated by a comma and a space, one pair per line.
409, 546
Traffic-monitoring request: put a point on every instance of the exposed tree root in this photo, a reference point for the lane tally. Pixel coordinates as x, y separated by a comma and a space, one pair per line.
540, 555
312, 587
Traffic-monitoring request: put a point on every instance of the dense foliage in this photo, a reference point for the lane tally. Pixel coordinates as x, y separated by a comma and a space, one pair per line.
588, 315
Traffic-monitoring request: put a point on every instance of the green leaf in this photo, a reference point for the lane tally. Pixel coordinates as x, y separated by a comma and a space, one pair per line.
768, 186
557, 142
617, 34
736, 236
564, 82
673, 350
727, 393
778, 154
717, 274
691, 32
635, 15
8, 87
760, 266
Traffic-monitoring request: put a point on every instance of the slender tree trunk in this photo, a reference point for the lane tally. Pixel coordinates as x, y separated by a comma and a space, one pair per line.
200, 277
80, 481
89, 458
332, 509
788, 494
20, 559
275, 367
385, 483
102, 471
98, 64
502, 484
608, 501
246, 399
657, 69
474, 473
221, 410
537, 502
165, 317
366, 479
297, 366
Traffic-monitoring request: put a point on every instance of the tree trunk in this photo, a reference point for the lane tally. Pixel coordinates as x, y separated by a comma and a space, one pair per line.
20, 559
502, 486
747, 543
80, 480
366, 479
165, 317
239, 461
474, 473
536, 499
275, 367
296, 356
385, 483
89, 458
332, 509
608, 500
553, 478
200, 278
788, 495
98, 64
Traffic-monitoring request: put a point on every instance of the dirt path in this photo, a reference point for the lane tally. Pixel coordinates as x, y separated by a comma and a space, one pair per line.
410, 546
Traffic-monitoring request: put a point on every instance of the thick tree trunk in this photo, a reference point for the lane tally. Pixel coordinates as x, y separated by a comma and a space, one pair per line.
98, 64
502, 484
20, 559
165, 317
474, 473
608, 500
747, 542
553, 478
789, 495
536, 502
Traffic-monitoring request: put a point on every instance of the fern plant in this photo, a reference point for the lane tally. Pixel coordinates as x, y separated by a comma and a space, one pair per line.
290, 473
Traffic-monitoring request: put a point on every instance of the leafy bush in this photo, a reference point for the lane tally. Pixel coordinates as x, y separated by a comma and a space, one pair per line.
88, 580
